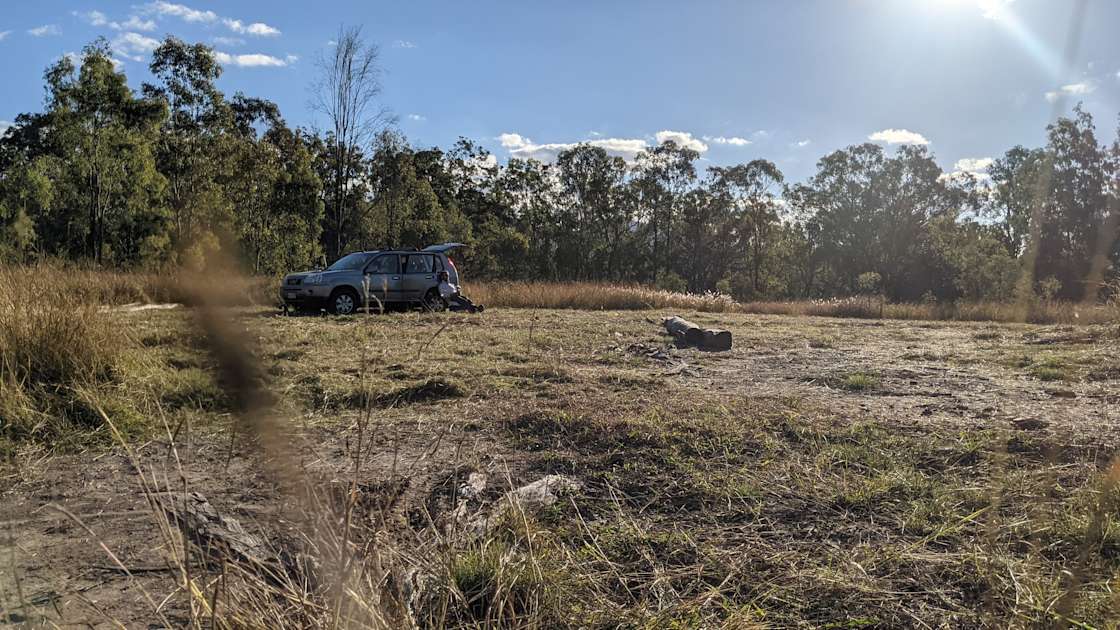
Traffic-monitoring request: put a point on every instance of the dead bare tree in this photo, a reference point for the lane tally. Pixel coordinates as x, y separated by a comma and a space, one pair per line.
347, 94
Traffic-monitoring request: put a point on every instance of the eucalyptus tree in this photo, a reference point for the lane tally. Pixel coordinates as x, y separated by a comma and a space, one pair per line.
531, 190
1014, 179
1072, 230
750, 193
99, 141
592, 215
347, 94
874, 212
663, 175
191, 152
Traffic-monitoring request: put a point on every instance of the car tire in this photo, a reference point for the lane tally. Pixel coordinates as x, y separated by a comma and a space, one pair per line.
433, 302
343, 302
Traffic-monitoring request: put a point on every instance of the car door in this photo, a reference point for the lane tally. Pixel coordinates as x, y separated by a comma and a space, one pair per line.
419, 276
384, 276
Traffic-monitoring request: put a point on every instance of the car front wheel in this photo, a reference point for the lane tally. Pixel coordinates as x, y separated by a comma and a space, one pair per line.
344, 302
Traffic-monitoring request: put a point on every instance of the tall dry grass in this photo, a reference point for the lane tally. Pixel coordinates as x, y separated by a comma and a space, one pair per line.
595, 296
56, 350
85, 285
91, 286
1041, 312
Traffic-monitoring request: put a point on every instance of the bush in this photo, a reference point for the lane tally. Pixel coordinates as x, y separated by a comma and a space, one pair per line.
669, 281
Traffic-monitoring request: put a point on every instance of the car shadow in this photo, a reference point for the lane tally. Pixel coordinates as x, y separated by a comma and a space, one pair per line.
321, 313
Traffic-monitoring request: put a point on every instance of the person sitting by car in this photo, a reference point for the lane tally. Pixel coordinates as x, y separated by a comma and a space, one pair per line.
452, 298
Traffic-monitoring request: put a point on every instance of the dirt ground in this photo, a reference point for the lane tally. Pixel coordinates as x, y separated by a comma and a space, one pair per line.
823, 471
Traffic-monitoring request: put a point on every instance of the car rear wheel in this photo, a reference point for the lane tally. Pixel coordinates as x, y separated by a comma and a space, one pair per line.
344, 302
433, 302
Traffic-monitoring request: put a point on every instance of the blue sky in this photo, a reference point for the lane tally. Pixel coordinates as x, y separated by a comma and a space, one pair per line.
784, 80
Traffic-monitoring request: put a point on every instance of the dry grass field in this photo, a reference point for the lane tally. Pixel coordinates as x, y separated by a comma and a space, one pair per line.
826, 472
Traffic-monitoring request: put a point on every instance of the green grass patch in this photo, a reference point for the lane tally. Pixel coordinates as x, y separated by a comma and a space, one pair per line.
860, 381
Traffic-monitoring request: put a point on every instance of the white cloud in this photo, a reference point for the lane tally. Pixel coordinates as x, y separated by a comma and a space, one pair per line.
801, 144
134, 23
1080, 88
44, 30
898, 136
95, 18
4, 35
181, 11
403, 43
222, 40
134, 45
290, 58
5, 125
961, 177
734, 140
970, 168
974, 165
521, 147
259, 29
416, 117
511, 140
994, 9
188, 14
761, 133
682, 139
254, 60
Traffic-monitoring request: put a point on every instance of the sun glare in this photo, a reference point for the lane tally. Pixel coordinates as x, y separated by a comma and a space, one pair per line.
990, 9
1002, 13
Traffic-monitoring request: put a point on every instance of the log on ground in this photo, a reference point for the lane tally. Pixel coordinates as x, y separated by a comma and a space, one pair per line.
694, 335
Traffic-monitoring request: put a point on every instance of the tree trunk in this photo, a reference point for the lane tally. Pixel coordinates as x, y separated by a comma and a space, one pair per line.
694, 335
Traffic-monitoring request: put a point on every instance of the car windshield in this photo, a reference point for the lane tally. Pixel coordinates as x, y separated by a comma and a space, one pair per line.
356, 260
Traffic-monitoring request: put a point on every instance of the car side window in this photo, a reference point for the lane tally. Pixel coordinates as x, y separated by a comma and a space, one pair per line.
385, 264
419, 263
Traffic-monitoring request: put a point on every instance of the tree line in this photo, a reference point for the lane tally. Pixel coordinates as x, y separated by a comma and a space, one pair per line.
177, 172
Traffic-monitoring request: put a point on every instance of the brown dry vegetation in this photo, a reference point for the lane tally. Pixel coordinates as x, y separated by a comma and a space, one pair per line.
825, 472
593, 296
88, 286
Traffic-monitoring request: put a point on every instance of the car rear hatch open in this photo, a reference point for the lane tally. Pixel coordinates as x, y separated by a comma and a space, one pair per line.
443, 248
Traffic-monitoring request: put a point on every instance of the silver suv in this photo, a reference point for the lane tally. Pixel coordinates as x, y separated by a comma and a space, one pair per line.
391, 277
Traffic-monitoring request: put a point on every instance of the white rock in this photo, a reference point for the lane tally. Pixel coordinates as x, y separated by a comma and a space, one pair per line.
544, 491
